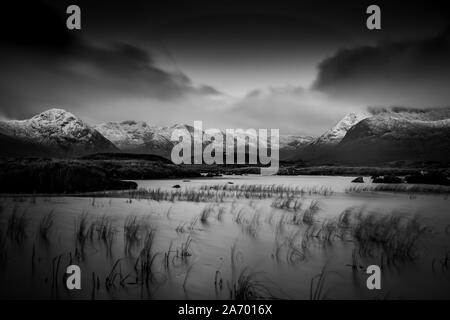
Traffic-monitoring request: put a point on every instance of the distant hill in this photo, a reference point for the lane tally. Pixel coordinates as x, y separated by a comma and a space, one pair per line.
125, 156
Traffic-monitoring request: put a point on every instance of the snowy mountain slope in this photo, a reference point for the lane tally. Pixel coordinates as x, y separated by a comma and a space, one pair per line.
386, 135
140, 137
336, 134
59, 131
390, 134
396, 136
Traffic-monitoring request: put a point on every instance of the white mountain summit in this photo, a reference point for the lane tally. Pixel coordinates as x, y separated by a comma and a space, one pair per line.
334, 135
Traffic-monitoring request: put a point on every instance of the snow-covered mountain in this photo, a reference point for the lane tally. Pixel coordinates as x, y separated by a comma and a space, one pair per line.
140, 137
399, 136
135, 137
56, 131
386, 135
336, 134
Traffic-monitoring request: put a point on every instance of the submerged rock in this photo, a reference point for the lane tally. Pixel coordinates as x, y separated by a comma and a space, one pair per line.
358, 180
177, 186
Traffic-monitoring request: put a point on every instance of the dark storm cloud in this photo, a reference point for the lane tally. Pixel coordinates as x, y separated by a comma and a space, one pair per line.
88, 74
134, 71
412, 73
43, 65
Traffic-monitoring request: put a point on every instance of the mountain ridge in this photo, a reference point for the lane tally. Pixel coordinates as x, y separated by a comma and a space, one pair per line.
376, 136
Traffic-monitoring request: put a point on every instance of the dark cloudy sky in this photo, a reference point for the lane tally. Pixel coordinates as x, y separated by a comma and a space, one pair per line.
298, 66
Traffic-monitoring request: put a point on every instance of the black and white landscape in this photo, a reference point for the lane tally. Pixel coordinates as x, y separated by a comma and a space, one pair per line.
87, 178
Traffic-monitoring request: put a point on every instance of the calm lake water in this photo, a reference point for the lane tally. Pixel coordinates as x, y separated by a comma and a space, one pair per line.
205, 250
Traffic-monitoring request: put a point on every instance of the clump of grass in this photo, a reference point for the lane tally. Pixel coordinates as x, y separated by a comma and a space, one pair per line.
131, 230
16, 226
218, 193
193, 224
205, 213
181, 228
185, 250
220, 214
345, 218
239, 216
259, 191
294, 248
355, 263
244, 284
105, 231
114, 274
280, 226
290, 203
251, 226
45, 226
295, 252
100, 229
218, 282
190, 226
404, 188
146, 259
395, 236
134, 231
346, 222
82, 229
328, 231
249, 221
249, 287
167, 256
309, 214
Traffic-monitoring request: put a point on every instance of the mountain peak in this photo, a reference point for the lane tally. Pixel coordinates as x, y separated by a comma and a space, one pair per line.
337, 133
53, 115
